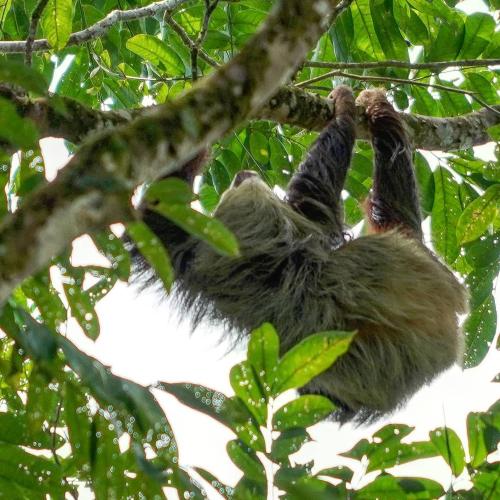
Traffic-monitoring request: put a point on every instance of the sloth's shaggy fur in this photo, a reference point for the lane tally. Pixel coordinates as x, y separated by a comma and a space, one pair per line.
401, 300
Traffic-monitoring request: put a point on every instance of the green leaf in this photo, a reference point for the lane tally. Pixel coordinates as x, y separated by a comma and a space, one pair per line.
387, 31
82, 309
478, 215
259, 147
57, 22
223, 490
112, 248
263, 352
450, 447
24, 76
445, 214
341, 472
480, 329
397, 488
209, 199
220, 176
309, 358
29, 471
479, 29
206, 228
171, 190
289, 442
426, 184
248, 389
483, 432
17, 430
483, 251
20, 132
302, 412
247, 461
448, 42
153, 251
79, 423
157, 52
230, 412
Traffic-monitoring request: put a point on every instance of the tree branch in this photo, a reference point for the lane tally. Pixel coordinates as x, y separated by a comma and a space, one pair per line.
35, 19
73, 121
97, 30
434, 65
94, 189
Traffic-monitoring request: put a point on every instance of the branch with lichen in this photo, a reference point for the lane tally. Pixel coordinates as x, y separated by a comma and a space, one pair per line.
73, 121
94, 189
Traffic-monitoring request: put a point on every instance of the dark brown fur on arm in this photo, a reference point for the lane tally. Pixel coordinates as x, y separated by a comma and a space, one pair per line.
315, 190
394, 200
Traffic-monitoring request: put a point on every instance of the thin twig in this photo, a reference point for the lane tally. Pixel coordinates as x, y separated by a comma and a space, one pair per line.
35, 19
209, 9
191, 44
435, 65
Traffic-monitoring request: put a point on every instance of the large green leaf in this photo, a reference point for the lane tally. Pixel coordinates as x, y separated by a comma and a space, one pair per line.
479, 215
479, 29
157, 52
302, 412
20, 132
206, 228
445, 214
57, 22
153, 251
450, 447
309, 358
263, 352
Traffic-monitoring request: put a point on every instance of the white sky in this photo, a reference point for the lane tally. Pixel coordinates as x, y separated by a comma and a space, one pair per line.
142, 341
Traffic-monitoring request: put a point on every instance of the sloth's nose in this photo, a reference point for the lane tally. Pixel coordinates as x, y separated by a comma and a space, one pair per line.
242, 176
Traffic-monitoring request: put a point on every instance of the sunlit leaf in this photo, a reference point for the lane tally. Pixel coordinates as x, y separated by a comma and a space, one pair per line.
156, 51
302, 412
57, 22
309, 358
478, 215
206, 228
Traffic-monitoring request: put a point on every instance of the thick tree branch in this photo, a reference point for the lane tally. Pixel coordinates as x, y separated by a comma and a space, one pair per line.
97, 30
74, 122
91, 192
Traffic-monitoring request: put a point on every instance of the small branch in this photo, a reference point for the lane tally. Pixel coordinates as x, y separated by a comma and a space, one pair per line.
35, 19
436, 65
98, 29
191, 44
209, 9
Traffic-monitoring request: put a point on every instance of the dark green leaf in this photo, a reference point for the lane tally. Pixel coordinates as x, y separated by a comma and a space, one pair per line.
171, 190
480, 329
247, 461
450, 447
289, 442
153, 251
20, 132
24, 76
397, 488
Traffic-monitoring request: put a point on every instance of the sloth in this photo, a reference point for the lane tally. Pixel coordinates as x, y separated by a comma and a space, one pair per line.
299, 270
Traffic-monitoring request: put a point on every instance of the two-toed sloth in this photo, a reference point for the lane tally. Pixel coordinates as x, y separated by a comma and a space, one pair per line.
298, 271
